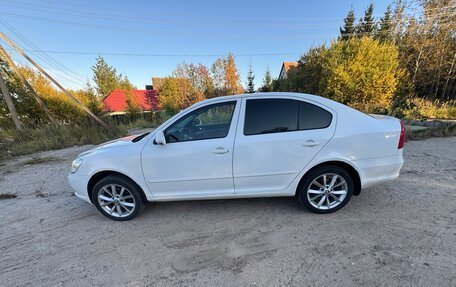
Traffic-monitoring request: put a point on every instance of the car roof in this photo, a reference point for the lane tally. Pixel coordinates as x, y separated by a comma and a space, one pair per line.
262, 94
318, 99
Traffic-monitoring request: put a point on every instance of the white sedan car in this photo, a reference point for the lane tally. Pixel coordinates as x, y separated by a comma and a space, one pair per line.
255, 145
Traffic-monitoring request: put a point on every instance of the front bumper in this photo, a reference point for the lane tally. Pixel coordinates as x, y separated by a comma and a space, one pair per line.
79, 185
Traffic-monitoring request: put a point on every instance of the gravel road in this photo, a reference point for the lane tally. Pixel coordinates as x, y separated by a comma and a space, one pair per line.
398, 234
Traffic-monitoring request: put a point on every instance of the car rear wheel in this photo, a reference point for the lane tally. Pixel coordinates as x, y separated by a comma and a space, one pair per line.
117, 198
326, 189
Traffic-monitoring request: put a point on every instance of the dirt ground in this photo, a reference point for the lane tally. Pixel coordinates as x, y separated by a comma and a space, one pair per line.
398, 234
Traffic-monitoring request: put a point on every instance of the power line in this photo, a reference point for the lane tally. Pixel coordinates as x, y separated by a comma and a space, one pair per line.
167, 32
136, 17
43, 56
124, 16
55, 73
156, 31
159, 55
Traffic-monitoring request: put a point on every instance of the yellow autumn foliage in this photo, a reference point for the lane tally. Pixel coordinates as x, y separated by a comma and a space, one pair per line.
61, 106
363, 73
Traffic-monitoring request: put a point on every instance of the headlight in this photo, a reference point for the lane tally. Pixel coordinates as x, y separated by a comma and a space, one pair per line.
76, 164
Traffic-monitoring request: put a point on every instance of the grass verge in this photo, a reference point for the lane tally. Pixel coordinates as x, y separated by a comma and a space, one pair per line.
49, 137
443, 131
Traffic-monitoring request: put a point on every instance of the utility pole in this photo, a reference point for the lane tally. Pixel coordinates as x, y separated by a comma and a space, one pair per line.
9, 103
13, 45
26, 83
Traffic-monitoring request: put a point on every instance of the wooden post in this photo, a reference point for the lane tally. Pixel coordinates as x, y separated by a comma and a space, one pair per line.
11, 43
9, 103
26, 83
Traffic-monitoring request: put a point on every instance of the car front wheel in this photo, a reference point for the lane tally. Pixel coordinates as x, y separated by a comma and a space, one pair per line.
326, 189
117, 198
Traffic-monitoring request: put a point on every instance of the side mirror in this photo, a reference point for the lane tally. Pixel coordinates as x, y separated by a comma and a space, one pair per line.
160, 138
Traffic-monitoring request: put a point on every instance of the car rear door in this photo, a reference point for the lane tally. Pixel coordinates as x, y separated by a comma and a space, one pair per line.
275, 139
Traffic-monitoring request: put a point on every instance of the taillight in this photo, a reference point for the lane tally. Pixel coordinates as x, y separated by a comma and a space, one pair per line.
402, 137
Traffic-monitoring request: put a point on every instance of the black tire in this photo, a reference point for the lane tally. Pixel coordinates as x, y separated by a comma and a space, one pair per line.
317, 173
119, 181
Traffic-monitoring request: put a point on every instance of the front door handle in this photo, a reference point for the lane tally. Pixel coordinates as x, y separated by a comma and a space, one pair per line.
310, 143
220, 150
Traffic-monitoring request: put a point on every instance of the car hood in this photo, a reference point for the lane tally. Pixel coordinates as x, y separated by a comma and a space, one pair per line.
121, 142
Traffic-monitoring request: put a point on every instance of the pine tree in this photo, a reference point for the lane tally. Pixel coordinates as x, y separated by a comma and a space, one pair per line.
124, 83
105, 77
267, 81
367, 26
348, 30
384, 32
250, 83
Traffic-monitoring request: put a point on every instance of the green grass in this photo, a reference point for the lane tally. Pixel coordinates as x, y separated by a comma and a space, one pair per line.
49, 137
29, 140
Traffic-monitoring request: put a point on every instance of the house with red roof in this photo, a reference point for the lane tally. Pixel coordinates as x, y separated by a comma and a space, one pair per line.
286, 66
116, 102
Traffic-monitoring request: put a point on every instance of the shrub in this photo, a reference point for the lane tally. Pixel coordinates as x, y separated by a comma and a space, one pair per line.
363, 73
360, 72
425, 109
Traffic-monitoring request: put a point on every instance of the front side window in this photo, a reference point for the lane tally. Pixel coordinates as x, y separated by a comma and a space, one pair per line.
265, 116
209, 122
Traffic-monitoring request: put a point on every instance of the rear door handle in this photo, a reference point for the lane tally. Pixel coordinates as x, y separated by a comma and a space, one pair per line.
310, 143
220, 150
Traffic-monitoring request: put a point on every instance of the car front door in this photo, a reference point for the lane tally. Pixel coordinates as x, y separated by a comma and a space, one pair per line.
196, 160
275, 139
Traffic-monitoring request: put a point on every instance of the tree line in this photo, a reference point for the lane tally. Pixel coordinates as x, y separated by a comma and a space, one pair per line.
190, 83
384, 65
389, 65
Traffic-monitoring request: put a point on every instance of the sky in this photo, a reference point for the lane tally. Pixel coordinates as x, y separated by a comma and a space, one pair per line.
144, 39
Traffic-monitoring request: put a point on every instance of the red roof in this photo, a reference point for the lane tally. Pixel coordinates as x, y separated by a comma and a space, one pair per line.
117, 100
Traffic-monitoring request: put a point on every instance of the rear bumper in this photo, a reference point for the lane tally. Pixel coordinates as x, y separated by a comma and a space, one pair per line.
379, 170
79, 185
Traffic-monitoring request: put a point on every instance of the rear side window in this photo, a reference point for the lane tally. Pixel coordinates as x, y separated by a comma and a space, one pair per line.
313, 117
265, 116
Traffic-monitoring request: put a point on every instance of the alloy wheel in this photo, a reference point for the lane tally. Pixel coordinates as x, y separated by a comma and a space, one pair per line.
116, 200
327, 191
